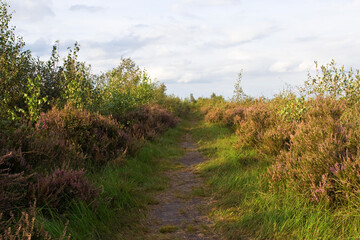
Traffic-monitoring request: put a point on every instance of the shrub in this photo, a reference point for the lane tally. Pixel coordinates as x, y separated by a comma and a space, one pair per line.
258, 118
229, 114
98, 137
36, 150
214, 115
125, 88
175, 105
13, 186
233, 115
331, 81
323, 158
277, 138
148, 121
63, 185
207, 104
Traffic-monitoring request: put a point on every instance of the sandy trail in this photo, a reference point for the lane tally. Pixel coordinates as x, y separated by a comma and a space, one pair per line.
181, 210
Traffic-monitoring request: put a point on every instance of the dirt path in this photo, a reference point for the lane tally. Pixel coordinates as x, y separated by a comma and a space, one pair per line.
181, 210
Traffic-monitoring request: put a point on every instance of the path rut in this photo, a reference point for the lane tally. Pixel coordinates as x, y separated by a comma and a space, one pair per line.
181, 212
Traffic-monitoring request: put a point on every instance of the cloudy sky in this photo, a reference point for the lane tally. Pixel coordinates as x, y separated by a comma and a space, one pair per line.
199, 46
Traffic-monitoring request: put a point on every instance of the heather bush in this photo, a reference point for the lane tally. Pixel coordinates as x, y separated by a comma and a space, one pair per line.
98, 137
36, 149
230, 114
148, 121
276, 138
63, 185
13, 187
322, 161
233, 115
207, 104
258, 118
257, 123
214, 115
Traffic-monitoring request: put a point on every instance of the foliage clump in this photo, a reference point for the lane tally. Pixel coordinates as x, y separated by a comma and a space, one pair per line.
148, 121
57, 189
99, 137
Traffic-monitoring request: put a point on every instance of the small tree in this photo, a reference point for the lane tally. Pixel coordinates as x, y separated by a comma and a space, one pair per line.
331, 81
16, 65
239, 94
126, 87
192, 99
75, 81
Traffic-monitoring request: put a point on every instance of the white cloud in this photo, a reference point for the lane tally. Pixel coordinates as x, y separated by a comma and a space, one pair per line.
280, 66
84, 7
212, 2
32, 10
305, 66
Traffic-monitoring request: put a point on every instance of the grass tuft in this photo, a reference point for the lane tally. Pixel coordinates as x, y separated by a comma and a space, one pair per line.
168, 229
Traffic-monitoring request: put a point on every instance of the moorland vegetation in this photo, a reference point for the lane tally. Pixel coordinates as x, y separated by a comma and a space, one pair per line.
297, 153
76, 160
61, 127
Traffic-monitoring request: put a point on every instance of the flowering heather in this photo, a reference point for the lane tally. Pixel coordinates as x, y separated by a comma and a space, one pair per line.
41, 124
63, 185
100, 138
323, 158
313, 143
148, 121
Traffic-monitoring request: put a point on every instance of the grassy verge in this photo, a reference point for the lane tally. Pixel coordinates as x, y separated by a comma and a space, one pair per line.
127, 189
243, 206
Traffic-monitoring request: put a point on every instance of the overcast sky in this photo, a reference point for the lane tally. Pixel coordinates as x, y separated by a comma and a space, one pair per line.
199, 46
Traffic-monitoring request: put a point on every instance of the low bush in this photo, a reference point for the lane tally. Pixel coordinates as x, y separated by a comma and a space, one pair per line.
13, 187
35, 150
174, 104
323, 158
57, 189
98, 137
251, 130
233, 115
230, 114
257, 124
148, 121
214, 115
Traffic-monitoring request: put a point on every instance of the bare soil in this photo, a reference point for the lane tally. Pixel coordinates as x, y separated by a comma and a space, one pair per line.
181, 212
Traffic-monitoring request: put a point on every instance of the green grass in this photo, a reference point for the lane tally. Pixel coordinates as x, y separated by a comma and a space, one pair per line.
127, 189
168, 229
245, 208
